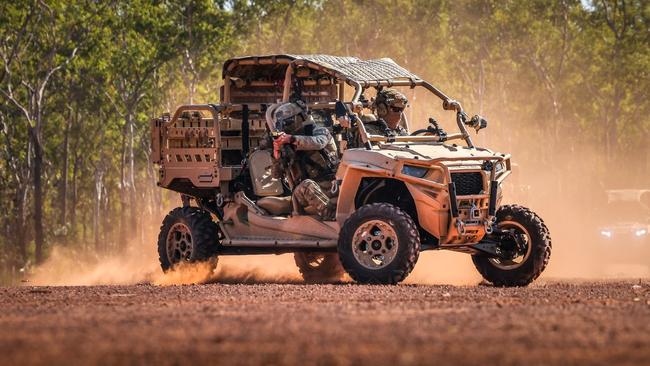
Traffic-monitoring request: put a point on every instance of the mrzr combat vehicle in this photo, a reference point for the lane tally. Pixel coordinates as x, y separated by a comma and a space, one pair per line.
623, 221
397, 195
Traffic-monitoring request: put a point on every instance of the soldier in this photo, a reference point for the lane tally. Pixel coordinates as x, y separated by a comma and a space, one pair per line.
389, 106
312, 165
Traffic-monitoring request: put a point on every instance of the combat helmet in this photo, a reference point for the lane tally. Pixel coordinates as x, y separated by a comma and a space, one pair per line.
388, 98
289, 117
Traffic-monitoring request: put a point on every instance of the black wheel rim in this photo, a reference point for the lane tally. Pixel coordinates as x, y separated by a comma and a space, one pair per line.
179, 244
522, 254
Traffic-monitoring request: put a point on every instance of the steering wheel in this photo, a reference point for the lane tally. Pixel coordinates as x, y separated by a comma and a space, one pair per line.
432, 130
423, 132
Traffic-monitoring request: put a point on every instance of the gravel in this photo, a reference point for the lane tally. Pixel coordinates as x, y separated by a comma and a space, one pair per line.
563, 323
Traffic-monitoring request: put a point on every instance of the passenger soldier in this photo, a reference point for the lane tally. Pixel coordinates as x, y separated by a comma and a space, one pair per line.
389, 107
312, 163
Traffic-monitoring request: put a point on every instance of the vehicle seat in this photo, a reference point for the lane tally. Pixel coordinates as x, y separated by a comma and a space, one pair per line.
264, 184
276, 206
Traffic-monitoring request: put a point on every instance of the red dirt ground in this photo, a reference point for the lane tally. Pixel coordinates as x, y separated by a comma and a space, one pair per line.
547, 323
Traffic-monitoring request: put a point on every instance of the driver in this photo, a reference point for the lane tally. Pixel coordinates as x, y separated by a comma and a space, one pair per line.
388, 105
312, 166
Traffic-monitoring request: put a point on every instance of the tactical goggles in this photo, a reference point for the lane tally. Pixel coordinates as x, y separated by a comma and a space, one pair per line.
284, 123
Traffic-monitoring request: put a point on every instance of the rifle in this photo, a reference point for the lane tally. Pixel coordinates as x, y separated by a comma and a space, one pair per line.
341, 110
286, 160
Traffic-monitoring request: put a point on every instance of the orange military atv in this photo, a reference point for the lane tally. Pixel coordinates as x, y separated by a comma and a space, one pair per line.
397, 196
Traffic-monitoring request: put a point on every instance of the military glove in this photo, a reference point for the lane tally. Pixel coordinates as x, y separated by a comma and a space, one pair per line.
283, 139
344, 121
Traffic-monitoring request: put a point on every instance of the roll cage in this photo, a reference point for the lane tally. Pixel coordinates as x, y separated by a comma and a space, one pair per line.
200, 147
320, 80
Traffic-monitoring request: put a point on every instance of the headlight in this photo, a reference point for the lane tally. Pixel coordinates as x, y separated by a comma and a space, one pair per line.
414, 171
606, 233
641, 232
487, 166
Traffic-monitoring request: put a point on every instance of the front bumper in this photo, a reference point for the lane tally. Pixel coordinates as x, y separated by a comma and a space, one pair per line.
457, 219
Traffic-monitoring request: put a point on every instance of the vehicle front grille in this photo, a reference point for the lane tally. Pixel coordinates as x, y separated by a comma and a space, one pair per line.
467, 183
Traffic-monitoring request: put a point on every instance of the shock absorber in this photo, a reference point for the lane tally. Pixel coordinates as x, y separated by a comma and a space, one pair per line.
453, 207
492, 206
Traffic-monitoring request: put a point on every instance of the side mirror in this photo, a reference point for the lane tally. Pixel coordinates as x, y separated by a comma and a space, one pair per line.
477, 122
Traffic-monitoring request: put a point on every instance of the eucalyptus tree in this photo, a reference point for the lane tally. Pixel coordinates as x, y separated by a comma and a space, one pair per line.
143, 39
615, 50
44, 41
206, 39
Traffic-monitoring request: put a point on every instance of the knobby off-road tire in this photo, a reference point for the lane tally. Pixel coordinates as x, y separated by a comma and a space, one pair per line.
379, 244
539, 249
187, 234
319, 267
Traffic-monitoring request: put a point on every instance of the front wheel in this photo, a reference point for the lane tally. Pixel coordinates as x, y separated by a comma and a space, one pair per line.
187, 234
525, 249
379, 243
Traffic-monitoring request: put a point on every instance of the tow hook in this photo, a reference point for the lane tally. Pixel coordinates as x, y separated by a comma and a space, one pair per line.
474, 212
460, 226
335, 186
219, 200
488, 227
489, 224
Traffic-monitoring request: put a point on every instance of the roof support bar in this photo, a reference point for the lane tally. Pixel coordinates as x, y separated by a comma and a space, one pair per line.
447, 103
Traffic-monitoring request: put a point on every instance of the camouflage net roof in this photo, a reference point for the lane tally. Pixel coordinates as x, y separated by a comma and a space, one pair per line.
363, 71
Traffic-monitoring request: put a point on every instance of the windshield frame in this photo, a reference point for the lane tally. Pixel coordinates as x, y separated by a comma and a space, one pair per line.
448, 103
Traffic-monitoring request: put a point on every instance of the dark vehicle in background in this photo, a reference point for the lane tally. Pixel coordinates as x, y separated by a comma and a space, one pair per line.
624, 227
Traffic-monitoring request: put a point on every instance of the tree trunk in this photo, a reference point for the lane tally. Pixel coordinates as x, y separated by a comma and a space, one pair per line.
84, 228
156, 198
38, 194
75, 197
134, 219
20, 208
106, 227
64, 173
192, 89
123, 195
97, 209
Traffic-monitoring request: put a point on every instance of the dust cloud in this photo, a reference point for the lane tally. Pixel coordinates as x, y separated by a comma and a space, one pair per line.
67, 267
563, 179
564, 183
572, 217
140, 265
571, 259
569, 191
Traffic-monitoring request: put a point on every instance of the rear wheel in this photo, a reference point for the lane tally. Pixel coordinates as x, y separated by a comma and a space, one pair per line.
187, 234
319, 267
525, 250
379, 243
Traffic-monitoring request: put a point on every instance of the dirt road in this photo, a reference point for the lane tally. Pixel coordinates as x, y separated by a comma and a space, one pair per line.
552, 323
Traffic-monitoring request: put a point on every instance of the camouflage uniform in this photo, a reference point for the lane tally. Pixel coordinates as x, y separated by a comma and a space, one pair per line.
313, 164
385, 99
